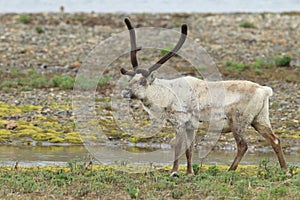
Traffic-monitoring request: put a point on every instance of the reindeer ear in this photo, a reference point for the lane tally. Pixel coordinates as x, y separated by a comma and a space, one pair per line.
152, 77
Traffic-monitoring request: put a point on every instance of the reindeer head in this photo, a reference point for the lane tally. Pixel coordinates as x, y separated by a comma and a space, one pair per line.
142, 78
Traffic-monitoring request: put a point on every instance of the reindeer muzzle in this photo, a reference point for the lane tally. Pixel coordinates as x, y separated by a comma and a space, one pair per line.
127, 93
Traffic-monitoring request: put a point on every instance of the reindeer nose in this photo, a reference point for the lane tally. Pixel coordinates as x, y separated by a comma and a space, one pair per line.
127, 93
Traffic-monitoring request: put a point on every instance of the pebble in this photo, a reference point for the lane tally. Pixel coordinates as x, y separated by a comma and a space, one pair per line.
10, 125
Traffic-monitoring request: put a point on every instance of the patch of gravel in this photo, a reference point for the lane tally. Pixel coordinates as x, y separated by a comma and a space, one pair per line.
68, 39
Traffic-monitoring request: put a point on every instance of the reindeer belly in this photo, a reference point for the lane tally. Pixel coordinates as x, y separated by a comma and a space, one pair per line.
215, 116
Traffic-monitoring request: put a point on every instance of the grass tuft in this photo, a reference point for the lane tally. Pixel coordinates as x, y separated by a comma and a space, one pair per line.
247, 25
24, 18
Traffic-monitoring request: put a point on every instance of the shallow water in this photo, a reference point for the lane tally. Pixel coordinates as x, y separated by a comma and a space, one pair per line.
60, 155
152, 6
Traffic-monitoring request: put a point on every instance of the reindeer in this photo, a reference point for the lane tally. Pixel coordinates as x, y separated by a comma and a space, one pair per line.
186, 101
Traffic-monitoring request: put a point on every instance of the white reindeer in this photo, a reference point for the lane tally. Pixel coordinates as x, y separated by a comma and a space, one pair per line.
187, 100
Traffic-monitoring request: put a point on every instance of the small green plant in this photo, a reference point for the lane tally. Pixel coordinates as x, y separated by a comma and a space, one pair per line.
279, 192
258, 63
235, 67
166, 50
275, 105
38, 82
247, 25
32, 73
104, 80
8, 84
64, 82
132, 191
87, 82
270, 172
15, 72
39, 30
178, 193
213, 170
24, 18
196, 168
283, 61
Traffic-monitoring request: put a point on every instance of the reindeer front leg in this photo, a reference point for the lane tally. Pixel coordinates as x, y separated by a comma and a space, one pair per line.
189, 151
184, 143
180, 147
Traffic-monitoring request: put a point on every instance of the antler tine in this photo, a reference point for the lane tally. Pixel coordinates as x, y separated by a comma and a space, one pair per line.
134, 49
125, 72
171, 53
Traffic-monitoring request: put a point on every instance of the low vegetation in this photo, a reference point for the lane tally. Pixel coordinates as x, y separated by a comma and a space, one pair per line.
24, 18
257, 65
85, 180
263, 69
166, 50
247, 24
23, 81
39, 30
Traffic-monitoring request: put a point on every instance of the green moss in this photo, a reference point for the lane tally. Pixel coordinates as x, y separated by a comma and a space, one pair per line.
2, 123
73, 137
57, 140
133, 139
28, 108
25, 133
44, 136
5, 134
51, 125
7, 110
29, 128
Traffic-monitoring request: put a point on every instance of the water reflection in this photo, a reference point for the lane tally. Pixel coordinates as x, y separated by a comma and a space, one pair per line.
60, 155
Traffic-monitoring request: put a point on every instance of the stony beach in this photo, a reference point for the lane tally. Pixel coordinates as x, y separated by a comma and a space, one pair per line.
58, 43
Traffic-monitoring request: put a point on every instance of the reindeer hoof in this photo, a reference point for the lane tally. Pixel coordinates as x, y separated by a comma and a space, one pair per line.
174, 174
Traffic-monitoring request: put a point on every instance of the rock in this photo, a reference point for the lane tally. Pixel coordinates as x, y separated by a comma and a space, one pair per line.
75, 65
10, 125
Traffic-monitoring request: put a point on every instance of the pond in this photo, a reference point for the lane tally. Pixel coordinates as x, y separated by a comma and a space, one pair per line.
60, 155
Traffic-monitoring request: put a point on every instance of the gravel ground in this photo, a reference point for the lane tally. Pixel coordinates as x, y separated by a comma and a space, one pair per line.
68, 38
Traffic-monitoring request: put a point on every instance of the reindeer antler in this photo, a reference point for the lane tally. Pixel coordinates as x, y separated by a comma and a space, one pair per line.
173, 52
134, 49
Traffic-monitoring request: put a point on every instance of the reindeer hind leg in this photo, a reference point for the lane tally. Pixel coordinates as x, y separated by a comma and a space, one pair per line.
241, 150
241, 143
264, 128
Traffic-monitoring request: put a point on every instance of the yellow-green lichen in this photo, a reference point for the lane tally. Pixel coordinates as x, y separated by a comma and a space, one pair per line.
73, 137
4, 134
29, 128
7, 110
57, 140
25, 133
28, 108
43, 136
